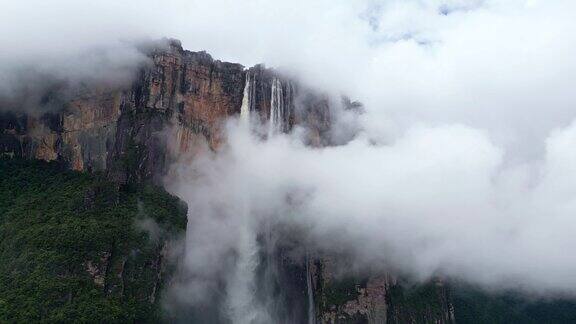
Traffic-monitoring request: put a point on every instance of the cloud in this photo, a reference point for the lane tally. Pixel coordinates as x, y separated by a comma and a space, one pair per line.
50, 50
438, 200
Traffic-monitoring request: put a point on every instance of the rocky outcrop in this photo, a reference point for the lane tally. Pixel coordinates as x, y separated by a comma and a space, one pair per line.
98, 269
123, 130
377, 298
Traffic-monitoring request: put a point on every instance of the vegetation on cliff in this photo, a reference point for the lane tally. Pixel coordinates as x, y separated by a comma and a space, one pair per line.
76, 248
473, 305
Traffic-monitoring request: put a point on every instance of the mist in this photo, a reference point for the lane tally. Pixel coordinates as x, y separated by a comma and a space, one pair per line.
458, 211
463, 165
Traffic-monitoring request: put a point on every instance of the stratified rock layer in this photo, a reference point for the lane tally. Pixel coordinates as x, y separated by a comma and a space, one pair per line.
125, 130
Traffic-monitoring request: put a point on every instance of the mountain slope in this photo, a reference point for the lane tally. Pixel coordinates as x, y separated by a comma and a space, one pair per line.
74, 248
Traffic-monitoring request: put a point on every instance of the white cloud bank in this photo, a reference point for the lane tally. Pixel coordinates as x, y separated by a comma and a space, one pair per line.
437, 201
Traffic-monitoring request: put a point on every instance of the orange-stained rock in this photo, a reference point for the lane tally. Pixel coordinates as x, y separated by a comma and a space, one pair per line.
123, 130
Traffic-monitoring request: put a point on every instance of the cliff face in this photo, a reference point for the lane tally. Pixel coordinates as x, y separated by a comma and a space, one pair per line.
123, 130
181, 99
375, 298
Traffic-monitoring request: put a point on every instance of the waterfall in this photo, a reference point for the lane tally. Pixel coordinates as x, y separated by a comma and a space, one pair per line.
276, 108
242, 304
311, 310
247, 99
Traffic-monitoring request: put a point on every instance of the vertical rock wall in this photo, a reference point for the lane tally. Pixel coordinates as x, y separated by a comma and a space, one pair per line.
124, 130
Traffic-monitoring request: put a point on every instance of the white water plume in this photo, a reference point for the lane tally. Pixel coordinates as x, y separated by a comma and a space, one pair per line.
247, 99
241, 303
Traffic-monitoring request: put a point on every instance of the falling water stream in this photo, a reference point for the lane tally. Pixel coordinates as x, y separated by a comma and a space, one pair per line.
311, 310
276, 108
243, 304
247, 99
